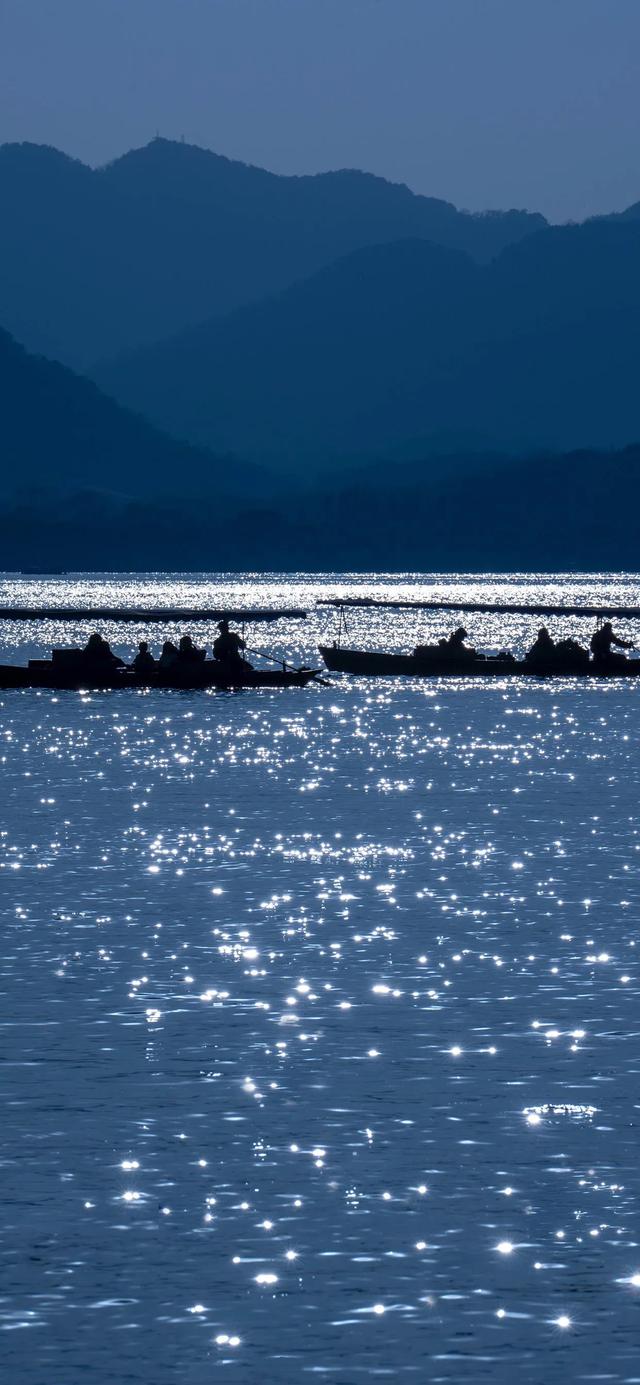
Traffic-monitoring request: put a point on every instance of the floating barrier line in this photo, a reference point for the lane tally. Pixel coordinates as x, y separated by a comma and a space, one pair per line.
151, 614
484, 608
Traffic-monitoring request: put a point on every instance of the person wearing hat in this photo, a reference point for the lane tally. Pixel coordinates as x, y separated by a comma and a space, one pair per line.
227, 648
454, 645
601, 641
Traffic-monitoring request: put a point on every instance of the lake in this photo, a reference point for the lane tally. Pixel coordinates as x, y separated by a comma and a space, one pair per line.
320, 1009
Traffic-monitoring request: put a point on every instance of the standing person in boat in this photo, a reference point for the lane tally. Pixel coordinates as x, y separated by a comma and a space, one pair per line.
227, 648
99, 651
602, 640
144, 661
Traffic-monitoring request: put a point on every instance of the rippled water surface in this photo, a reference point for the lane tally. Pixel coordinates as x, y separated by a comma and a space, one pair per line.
320, 1026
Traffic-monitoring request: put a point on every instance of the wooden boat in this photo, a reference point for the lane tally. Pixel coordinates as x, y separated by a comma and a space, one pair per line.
67, 669
377, 664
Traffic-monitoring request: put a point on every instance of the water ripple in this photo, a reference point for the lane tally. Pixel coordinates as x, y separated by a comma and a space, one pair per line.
320, 1028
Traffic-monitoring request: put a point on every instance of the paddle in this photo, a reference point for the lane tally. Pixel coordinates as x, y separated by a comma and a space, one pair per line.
258, 654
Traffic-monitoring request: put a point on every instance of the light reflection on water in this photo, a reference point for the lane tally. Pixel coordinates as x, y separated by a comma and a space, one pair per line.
320, 1025
400, 630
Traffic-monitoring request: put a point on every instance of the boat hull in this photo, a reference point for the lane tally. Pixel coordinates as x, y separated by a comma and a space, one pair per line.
377, 664
43, 674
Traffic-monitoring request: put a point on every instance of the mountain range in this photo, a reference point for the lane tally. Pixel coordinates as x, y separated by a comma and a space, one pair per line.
95, 261
89, 484
495, 518
307, 368
59, 434
411, 345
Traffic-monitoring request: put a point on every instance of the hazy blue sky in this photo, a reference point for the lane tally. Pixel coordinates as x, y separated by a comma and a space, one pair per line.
486, 102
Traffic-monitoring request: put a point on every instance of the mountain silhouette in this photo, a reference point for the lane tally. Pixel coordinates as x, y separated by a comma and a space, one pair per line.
404, 345
58, 431
546, 512
93, 262
631, 213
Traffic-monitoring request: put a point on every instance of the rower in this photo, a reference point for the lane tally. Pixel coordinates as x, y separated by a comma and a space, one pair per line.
228, 646
602, 640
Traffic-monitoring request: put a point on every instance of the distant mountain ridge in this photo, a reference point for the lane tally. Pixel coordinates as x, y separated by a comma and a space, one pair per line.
497, 519
96, 261
60, 434
400, 346
86, 483
367, 328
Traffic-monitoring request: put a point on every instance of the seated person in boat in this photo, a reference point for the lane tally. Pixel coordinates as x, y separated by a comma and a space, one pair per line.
449, 647
454, 647
168, 657
144, 661
228, 646
426, 651
543, 649
546, 654
98, 651
601, 647
572, 655
188, 655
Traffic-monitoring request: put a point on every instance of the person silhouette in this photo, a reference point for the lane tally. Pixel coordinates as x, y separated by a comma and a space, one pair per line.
144, 660
99, 651
602, 640
228, 646
454, 645
188, 653
543, 649
168, 656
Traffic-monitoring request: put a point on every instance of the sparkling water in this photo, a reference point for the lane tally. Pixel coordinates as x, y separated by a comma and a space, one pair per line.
320, 1010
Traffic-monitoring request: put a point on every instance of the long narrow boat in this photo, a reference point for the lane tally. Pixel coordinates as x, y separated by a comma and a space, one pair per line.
77, 675
377, 664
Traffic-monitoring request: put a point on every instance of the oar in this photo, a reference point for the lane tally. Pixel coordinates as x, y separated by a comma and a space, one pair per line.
272, 660
269, 657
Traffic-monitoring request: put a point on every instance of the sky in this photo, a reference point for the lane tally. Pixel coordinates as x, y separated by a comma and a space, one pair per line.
488, 103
